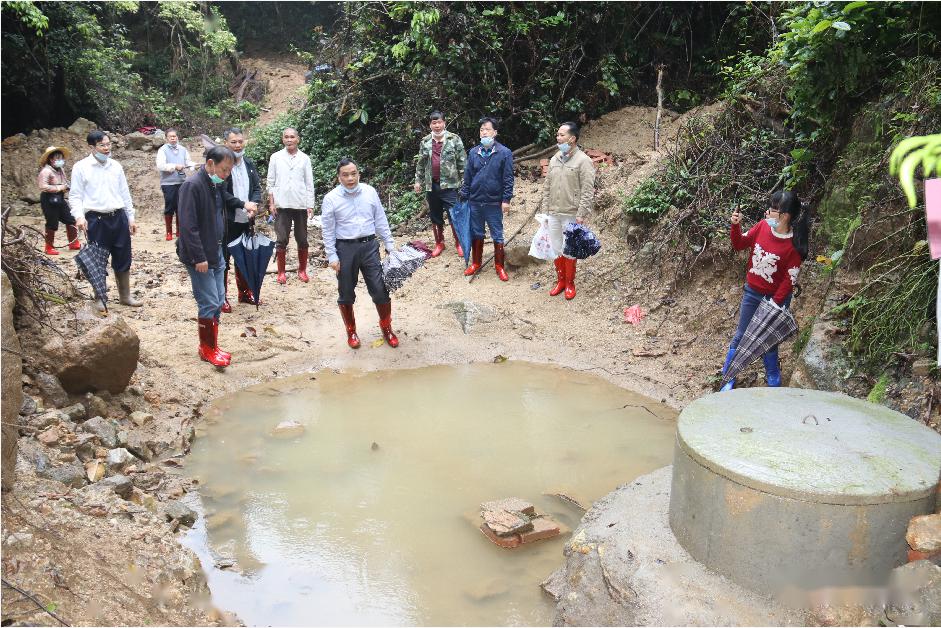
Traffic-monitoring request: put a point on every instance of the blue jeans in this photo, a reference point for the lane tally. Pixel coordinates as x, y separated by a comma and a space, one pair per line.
493, 216
209, 289
750, 300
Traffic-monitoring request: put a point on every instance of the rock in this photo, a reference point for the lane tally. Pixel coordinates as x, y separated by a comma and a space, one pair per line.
141, 419
915, 595
470, 314
646, 255
506, 523
95, 470
122, 438
19, 539
287, 429
85, 446
30, 195
70, 474
517, 254
511, 504
120, 484
922, 367
51, 390
554, 583
105, 359
75, 412
44, 419
28, 407
138, 445
82, 127
11, 389
924, 533
119, 458
14, 141
506, 542
823, 363
179, 511
137, 140
543, 528
95, 405
49, 438
106, 432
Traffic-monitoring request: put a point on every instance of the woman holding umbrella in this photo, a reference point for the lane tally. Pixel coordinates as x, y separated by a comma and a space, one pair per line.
778, 246
53, 184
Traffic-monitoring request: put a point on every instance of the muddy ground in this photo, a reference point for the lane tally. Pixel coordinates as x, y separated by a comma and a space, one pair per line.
114, 562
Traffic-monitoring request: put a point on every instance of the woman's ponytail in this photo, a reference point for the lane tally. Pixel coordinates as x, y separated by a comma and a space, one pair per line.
787, 203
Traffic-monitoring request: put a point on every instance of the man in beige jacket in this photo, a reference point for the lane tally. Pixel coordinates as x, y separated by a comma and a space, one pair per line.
567, 197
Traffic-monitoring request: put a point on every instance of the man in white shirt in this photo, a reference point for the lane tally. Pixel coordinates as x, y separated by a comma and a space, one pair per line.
241, 193
172, 162
101, 204
291, 200
353, 218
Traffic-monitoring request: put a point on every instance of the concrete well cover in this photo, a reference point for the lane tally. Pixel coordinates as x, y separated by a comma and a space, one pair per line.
812, 446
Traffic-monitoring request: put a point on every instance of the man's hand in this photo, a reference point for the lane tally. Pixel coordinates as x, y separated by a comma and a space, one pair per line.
202, 267
180, 167
736, 217
273, 210
82, 225
335, 266
418, 188
580, 221
310, 212
505, 206
132, 227
251, 208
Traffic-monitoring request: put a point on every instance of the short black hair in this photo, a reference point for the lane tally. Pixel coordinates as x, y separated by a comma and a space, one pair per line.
346, 161
218, 154
573, 128
232, 130
435, 115
96, 136
169, 131
493, 122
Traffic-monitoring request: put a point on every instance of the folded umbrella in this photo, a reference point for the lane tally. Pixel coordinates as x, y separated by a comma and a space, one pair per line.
461, 219
92, 261
399, 265
252, 252
769, 326
580, 241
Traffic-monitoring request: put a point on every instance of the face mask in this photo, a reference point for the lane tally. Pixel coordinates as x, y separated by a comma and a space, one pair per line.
486, 142
58, 163
350, 191
238, 154
437, 134
772, 222
215, 179
101, 157
565, 148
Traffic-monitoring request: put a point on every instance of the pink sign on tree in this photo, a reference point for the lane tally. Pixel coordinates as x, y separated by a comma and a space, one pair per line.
933, 212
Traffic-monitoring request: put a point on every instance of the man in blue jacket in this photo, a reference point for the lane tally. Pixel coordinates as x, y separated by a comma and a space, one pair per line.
488, 188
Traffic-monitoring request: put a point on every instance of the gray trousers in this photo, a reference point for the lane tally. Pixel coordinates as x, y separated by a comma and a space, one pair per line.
282, 227
356, 258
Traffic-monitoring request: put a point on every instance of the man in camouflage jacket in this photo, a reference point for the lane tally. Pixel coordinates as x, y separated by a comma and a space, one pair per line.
439, 172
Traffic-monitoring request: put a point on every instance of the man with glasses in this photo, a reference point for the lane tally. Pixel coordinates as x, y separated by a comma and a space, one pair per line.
101, 204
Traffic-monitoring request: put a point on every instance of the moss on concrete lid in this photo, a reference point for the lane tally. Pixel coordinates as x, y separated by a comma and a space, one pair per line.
812, 445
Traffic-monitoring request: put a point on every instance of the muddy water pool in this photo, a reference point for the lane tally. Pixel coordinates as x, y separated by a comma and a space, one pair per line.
370, 516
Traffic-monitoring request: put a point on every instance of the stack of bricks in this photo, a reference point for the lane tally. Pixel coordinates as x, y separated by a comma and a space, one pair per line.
924, 538
512, 522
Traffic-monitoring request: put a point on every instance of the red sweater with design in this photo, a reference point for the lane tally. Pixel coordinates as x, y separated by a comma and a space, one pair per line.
774, 262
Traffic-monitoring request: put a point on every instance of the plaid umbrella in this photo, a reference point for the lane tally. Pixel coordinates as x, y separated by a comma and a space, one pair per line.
92, 261
460, 218
400, 265
769, 326
252, 252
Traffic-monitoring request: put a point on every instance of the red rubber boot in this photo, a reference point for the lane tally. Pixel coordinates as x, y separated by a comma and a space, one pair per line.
569, 278
457, 243
207, 349
560, 277
498, 259
385, 323
226, 308
349, 321
438, 230
279, 256
225, 355
50, 239
168, 223
72, 232
302, 265
245, 293
477, 252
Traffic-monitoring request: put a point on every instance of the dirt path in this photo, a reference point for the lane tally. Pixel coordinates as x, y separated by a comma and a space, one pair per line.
285, 76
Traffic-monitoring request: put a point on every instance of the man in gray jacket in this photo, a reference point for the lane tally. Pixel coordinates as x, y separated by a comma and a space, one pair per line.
567, 197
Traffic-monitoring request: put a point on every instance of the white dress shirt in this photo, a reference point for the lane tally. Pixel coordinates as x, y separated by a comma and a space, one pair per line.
350, 216
99, 187
291, 180
168, 157
240, 187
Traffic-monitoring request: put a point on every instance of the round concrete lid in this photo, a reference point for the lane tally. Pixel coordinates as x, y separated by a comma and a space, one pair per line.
812, 445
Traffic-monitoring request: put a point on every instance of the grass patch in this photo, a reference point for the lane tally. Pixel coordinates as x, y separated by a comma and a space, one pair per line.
877, 394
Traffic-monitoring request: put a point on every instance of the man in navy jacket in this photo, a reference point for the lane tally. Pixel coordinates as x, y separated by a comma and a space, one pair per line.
488, 188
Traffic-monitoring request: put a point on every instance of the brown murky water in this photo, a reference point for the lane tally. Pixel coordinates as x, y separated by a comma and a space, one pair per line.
328, 528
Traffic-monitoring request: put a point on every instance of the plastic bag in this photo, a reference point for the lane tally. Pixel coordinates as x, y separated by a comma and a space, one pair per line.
580, 241
399, 266
541, 248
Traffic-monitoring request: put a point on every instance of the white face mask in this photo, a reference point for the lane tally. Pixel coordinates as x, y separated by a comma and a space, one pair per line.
350, 191
58, 163
437, 134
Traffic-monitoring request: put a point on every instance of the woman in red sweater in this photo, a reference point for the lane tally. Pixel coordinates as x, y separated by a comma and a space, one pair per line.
778, 246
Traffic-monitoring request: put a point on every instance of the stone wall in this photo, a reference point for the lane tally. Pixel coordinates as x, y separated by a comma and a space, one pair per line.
12, 392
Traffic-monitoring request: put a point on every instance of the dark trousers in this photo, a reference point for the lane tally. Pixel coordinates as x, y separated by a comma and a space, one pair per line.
55, 210
111, 231
170, 193
283, 222
440, 203
233, 230
356, 258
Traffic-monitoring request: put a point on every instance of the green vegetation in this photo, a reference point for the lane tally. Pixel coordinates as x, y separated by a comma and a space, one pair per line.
877, 394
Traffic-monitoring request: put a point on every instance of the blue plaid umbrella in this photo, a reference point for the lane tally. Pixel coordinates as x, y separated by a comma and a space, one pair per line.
461, 218
92, 261
769, 326
252, 252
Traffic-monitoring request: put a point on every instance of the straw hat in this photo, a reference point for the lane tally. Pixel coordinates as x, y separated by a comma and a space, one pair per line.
54, 149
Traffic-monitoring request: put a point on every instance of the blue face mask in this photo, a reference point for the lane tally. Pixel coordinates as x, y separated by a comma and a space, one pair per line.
101, 157
772, 222
215, 179
58, 163
350, 191
239, 154
564, 148
486, 142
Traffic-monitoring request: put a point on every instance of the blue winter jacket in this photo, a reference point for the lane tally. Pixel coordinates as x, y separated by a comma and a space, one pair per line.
488, 180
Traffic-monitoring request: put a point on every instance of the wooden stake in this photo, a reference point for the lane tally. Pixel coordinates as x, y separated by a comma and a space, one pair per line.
656, 128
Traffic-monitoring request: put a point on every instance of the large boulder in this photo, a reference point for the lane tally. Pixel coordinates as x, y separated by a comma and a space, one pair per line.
12, 388
823, 363
137, 140
82, 127
102, 358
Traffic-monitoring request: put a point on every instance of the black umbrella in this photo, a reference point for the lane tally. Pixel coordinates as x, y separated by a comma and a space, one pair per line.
769, 326
92, 261
252, 252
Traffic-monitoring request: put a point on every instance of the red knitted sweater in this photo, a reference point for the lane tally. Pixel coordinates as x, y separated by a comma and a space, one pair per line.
774, 262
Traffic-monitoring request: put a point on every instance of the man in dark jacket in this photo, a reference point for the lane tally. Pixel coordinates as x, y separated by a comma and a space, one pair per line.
242, 193
488, 188
201, 212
